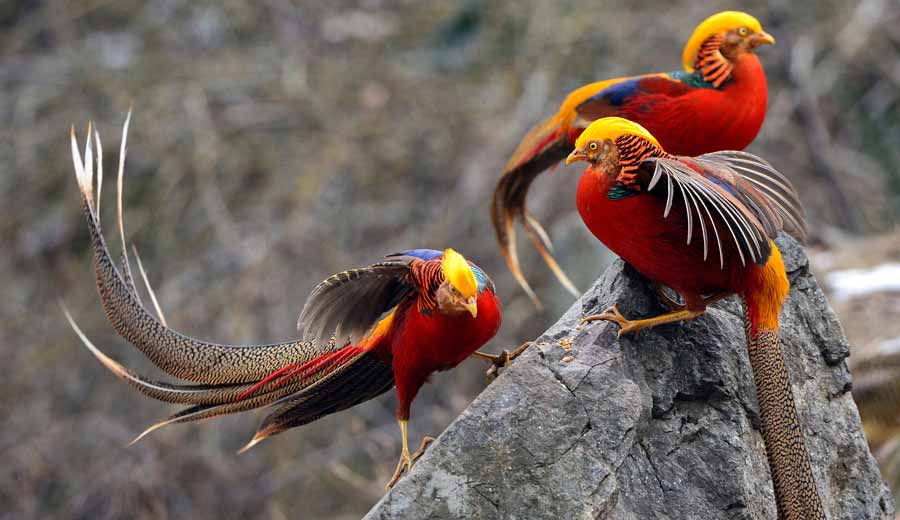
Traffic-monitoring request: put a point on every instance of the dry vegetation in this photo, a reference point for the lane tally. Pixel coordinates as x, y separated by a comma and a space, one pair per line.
276, 142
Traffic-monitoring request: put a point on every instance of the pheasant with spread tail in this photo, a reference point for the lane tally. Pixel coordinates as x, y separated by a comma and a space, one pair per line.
718, 102
703, 226
391, 325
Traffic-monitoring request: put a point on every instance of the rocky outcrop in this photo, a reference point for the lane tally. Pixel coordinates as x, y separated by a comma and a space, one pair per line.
663, 424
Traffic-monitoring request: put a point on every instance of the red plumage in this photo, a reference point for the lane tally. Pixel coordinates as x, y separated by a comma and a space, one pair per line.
419, 344
720, 107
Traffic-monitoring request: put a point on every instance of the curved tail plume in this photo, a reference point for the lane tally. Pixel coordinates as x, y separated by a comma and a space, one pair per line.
307, 379
178, 355
543, 147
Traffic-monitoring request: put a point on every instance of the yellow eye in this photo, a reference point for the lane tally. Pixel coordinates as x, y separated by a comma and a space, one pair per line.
593, 147
743, 31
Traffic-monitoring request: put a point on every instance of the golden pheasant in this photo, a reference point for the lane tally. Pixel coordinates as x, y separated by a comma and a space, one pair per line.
391, 325
703, 226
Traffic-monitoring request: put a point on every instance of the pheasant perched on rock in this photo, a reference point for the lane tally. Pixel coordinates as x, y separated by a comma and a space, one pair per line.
703, 226
718, 102
391, 325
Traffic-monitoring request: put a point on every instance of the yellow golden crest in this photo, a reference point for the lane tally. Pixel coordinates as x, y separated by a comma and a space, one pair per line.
458, 273
715, 24
611, 128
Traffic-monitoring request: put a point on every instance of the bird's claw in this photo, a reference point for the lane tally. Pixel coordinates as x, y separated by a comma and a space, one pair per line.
503, 359
612, 314
405, 464
426, 441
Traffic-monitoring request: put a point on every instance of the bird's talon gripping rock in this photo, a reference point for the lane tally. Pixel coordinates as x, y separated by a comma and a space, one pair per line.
426, 442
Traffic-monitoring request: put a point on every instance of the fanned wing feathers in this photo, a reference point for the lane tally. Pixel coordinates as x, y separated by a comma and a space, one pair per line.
769, 183
350, 303
740, 192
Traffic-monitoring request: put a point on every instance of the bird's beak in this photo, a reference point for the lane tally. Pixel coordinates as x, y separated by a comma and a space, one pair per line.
577, 155
472, 306
760, 38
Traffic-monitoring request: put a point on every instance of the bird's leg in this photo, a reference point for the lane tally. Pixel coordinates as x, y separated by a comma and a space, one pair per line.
695, 305
406, 461
628, 326
502, 359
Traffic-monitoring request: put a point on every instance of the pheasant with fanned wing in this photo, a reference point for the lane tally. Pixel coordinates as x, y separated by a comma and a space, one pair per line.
703, 226
390, 325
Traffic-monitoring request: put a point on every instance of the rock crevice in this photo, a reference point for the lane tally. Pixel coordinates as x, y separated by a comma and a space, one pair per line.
662, 424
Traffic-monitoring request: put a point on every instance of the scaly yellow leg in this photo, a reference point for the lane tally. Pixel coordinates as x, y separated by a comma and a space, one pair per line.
628, 326
406, 460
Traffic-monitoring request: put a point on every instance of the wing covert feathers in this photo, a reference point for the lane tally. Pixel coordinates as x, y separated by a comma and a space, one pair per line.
747, 197
350, 303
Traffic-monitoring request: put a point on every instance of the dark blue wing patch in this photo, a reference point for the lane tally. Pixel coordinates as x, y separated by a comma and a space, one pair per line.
422, 254
615, 94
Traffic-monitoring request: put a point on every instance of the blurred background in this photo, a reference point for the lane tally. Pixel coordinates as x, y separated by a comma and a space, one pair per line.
276, 142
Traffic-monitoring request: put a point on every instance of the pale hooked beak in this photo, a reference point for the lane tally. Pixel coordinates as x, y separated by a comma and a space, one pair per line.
577, 155
760, 38
472, 306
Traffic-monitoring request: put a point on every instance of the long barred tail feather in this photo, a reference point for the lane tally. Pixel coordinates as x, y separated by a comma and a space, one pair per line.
178, 355
796, 494
306, 379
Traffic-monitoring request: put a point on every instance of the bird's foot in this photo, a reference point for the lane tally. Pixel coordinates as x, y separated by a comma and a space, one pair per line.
405, 464
627, 326
426, 442
612, 314
501, 360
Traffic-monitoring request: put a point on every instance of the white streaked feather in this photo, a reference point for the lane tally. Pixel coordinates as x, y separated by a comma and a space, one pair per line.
747, 230
687, 210
669, 196
99, 169
89, 155
119, 182
159, 312
693, 198
712, 223
785, 206
83, 177
657, 173
710, 196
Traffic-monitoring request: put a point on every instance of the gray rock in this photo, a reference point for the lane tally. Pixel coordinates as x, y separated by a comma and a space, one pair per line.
659, 425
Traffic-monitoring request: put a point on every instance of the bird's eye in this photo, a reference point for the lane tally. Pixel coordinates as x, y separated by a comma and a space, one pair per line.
743, 31
452, 290
593, 147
